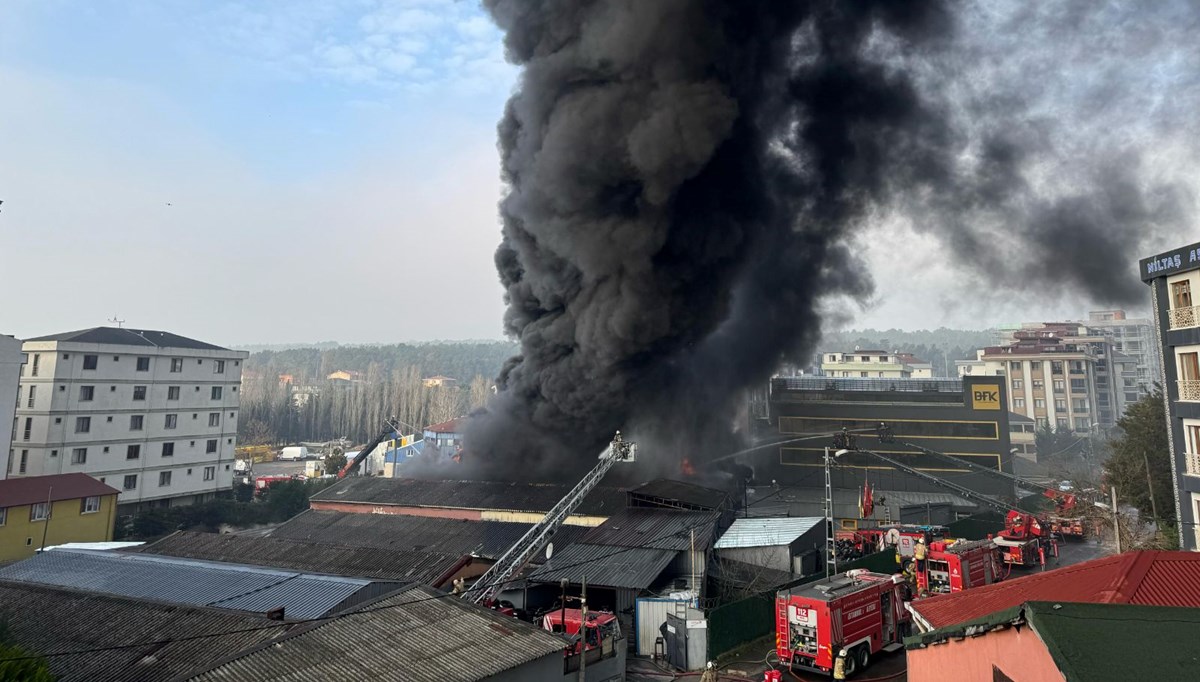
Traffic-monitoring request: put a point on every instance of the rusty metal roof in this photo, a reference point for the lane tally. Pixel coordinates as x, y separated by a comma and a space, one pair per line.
418, 635
482, 495
1147, 577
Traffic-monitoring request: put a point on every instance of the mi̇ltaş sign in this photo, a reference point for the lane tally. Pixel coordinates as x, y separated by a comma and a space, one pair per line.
985, 397
1184, 258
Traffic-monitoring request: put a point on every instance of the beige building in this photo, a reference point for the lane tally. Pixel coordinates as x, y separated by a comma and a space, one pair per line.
1061, 375
875, 364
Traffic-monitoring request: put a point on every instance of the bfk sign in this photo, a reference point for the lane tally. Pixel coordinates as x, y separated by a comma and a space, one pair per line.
985, 397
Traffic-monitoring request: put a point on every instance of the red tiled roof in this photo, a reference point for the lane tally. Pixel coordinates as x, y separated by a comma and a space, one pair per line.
451, 426
1150, 578
17, 492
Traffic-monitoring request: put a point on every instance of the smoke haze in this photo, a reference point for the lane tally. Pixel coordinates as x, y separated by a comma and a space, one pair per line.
688, 180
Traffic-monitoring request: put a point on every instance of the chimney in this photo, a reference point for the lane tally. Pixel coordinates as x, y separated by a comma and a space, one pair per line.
275, 613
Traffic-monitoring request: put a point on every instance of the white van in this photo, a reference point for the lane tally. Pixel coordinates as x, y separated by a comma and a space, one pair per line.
293, 453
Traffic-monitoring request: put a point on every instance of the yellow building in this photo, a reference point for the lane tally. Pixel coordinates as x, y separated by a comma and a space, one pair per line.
42, 511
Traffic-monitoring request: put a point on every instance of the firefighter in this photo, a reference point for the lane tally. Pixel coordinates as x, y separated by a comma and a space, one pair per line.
710, 673
919, 555
839, 666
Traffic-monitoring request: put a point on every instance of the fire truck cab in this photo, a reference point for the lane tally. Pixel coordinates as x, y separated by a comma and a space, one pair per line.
954, 566
1024, 540
603, 629
859, 611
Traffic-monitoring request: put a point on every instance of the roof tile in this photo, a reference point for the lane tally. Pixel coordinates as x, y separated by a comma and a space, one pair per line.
17, 492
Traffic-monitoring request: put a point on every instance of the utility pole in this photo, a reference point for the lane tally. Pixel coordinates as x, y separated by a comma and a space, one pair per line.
1116, 519
49, 513
1150, 485
583, 631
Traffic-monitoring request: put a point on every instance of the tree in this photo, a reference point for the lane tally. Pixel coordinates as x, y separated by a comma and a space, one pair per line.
481, 390
258, 432
23, 669
334, 462
1143, 445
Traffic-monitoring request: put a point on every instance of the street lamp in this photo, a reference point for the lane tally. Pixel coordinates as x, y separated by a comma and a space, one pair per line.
830, 542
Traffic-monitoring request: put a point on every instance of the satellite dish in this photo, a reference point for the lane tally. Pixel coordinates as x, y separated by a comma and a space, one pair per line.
549, 551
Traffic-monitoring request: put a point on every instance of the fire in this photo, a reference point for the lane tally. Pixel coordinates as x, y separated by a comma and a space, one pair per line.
686, 468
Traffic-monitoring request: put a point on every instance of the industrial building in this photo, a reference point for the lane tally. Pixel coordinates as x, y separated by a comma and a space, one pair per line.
152, 413
963, 418
793, 545
1172, 276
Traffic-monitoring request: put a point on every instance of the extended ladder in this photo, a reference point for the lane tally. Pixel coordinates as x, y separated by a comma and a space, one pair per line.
511, 563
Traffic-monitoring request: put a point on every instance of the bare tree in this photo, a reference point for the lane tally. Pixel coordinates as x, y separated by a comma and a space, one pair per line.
445, 403
481, 390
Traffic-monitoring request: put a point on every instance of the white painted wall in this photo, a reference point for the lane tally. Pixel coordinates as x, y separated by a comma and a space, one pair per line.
58, 405
10, 374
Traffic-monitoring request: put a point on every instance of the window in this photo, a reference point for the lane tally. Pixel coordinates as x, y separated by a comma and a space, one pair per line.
36, 358
133, 452
1181, 294
83, 424
164, 479
1082, 424
130, 482
28, 428
1014, 366
89, 361
1131, 397
1038, 383
216, 391
1039, 402
139, 392
218, 366
1056, 367
79, 456
168, 450
108, 419
170, 421
39, 511
136, 421
860, 374
1062, 423
1059, 385
90, 505
176, 364
210, 446
1017, 384
1079, 405
1036, 365
1079, 385
1018, 402
172, 393
32, 395
24, 461
86, 393
210, 473
1060, 405
3, 515
143, 364
214, 419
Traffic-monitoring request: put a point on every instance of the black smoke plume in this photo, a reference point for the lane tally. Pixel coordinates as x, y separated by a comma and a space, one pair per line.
687, 179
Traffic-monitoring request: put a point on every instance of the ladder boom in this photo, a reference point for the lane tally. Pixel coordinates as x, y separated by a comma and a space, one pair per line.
936, 480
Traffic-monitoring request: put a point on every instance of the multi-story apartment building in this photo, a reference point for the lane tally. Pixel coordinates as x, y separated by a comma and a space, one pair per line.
874, 364
1172, 277
151, 413
1136, 338
1063, 375
10, 373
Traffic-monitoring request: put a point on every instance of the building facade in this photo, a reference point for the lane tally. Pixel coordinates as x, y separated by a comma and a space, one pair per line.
43, 511
151, 413
1172, 277
11, 359
964, 418
1062, 375
875, 364
1136, 338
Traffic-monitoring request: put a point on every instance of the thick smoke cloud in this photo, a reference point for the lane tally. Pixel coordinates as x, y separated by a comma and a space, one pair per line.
686, 179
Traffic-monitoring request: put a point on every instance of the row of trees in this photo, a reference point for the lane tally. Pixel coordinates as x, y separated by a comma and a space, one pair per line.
275, 412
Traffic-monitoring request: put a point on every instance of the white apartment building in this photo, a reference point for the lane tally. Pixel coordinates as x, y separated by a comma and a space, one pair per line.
1136, 338
10, 376
151, 413
875, 364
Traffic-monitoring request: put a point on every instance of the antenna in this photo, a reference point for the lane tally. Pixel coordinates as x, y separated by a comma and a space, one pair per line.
117, 322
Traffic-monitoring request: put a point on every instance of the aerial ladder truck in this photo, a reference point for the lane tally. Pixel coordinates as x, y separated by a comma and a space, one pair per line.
391, 429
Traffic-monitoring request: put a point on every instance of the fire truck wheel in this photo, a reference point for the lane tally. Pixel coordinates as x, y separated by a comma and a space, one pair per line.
862, 657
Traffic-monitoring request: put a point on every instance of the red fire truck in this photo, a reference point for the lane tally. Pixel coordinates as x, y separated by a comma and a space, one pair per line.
954, 566
1024, 540
602, 627
859, 611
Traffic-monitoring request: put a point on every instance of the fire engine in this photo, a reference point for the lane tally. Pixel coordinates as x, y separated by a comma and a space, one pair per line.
603, 629
957, 565
859, 611
904, 536
1024, 540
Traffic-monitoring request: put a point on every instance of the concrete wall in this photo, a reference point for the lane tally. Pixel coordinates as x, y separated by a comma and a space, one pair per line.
1016, 652
10, 373
20, 537
60, 398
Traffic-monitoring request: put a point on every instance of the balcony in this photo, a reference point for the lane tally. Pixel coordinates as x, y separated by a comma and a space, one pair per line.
1193, 463
1182, 318
1189, 389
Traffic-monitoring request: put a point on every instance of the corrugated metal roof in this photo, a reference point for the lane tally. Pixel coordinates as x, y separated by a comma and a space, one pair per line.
656, 528
680, 493
189, 581
1146, 577
46, 619
370, 562
418, 635
767, 532
487, 539
603, 566
489, 495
